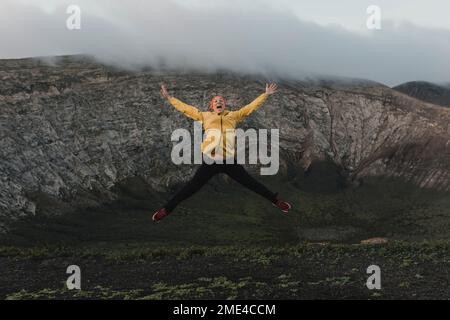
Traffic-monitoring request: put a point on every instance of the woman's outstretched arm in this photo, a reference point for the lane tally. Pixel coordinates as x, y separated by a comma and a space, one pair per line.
189, 111
257, 103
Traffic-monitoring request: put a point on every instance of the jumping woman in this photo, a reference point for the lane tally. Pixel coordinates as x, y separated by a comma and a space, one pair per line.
219, 150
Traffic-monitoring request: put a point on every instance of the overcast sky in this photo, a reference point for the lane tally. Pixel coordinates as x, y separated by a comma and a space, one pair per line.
295, 38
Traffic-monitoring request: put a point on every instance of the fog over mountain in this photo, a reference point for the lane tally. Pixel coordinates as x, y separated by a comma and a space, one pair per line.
245, 36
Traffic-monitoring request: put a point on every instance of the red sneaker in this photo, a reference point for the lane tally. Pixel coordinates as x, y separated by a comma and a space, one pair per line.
282, 205
160, 214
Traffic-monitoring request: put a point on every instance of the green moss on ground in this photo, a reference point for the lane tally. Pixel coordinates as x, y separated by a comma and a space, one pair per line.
304, 271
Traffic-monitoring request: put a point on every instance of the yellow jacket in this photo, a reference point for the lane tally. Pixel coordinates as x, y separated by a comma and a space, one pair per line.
219, 142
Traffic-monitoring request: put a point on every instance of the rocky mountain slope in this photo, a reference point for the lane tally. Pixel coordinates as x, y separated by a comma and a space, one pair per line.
426, 91
73, 131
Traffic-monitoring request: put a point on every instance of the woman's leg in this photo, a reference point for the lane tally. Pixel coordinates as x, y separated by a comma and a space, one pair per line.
201, 176
238, 173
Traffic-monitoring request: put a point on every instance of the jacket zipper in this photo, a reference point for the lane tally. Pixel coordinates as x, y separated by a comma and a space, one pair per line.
223, 138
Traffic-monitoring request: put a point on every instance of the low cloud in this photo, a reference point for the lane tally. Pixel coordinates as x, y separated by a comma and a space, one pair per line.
248, 39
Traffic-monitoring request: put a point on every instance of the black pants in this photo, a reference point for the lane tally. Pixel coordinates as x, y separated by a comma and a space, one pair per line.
207, 171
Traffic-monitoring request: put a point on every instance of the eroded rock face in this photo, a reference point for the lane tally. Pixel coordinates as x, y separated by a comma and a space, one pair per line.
74, 130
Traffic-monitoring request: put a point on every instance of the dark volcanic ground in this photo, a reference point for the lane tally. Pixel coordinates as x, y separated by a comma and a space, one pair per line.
208, 249
419, 271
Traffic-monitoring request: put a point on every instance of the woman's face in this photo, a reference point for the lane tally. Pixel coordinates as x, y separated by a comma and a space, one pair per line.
218, 104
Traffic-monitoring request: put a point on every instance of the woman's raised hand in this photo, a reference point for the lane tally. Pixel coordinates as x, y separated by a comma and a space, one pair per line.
271, 88
164, 92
